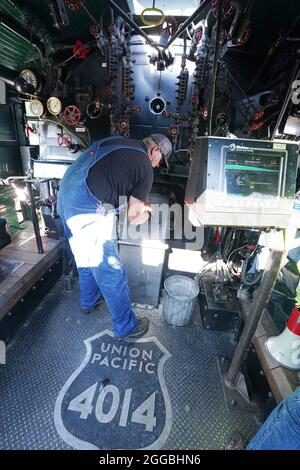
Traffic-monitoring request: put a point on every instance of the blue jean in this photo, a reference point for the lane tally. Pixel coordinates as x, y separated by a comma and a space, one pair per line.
102, 273
281, 430
91, 231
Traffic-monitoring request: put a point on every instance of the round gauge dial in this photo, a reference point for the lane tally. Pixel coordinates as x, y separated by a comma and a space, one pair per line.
30, 77
54, 105
36, 107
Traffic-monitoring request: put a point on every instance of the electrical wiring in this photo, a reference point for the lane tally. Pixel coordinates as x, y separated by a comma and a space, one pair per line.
234, 251
244, 272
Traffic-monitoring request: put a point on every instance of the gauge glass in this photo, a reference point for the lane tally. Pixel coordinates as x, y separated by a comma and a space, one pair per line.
36, 107
30, 77
54, 105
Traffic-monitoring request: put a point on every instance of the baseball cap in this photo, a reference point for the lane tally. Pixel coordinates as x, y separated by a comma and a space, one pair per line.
164, 144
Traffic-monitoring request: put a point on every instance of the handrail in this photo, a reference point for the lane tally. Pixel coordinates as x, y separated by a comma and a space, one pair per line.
153, 23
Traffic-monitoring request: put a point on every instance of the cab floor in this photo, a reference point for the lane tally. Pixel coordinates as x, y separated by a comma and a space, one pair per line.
48, 368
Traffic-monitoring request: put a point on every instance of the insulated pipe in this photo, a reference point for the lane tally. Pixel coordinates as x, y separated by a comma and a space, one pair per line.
187, 22
257, 308
131, 23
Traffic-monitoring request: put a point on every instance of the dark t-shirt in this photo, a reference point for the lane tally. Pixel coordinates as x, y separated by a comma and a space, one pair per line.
124, 172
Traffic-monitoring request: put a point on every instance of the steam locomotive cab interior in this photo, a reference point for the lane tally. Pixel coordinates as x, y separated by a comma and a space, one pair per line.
220, 79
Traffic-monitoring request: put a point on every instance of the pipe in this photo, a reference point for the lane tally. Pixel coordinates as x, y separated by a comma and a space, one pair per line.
7, 76
89, 14
212, 93
257, 309
187, 22
35, 221
131, 23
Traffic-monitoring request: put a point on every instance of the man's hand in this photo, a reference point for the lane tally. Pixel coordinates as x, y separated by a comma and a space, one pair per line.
138, 211
148, 208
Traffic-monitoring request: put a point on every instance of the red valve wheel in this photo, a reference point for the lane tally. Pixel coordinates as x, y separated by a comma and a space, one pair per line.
94, 30
198, 34
224, 35
174, 131
111, 28
107, 90
124, 128
204, 113
258, 115
169, 27
246, 37
28, 130
256, 126
72, 115
74, 5
60, 140
64, 140
227, 9
80, 50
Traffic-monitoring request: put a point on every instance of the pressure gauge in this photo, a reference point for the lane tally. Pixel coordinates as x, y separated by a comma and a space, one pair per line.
54, 105
30, 77
36, 108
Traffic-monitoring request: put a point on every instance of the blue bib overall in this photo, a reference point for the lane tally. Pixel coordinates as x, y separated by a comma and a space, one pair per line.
91, 231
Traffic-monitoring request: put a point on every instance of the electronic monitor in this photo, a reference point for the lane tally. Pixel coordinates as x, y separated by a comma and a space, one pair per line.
240, 182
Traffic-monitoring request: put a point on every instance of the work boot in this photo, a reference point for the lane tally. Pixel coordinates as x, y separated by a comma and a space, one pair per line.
234, 441
141, 329
88, 310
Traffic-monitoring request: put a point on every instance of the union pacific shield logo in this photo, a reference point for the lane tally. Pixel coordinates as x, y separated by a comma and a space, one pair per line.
117, 398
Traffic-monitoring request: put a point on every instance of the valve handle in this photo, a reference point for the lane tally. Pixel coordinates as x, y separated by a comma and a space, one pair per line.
72, 115
74, 5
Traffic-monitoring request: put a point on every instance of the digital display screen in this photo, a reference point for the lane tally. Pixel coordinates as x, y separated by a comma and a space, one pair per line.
253, 173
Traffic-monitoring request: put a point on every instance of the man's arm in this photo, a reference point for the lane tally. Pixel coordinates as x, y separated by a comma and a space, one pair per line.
138, 211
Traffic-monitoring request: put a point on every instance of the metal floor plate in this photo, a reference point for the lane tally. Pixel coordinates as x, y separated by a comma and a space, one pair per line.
50, 370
